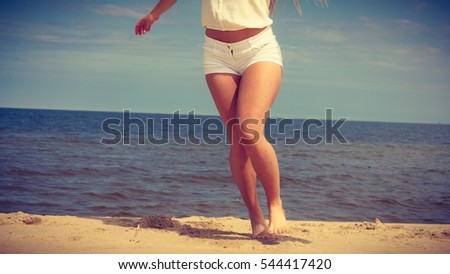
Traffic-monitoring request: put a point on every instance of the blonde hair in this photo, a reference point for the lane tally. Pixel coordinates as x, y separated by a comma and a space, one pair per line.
273, 4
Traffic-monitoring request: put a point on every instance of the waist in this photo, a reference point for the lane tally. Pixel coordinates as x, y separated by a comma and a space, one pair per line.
234, 35
264, 36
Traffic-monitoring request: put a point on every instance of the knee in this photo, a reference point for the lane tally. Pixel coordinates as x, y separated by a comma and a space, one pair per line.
249, 138
243, 144
246, 133
251, 134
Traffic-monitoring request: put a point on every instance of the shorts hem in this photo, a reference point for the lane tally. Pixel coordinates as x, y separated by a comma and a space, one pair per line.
280, 63
212, 71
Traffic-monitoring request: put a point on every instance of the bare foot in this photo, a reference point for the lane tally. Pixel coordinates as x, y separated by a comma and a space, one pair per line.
259, 228
277, 221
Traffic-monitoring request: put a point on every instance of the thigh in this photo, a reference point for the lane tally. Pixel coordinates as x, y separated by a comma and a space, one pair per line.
224, 91
258, 89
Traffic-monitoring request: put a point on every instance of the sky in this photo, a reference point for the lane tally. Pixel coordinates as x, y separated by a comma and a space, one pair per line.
371, 60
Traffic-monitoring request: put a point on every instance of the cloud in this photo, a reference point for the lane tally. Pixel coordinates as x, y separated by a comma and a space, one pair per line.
114, 10
433, 50
420, 5
72, 35
317, 32
372, 25
410, 25
45, 38
314, 33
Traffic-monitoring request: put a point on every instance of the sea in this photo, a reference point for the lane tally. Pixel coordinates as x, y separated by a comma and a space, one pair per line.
87, 163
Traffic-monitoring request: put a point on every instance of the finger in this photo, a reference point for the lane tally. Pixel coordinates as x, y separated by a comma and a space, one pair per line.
138, 29
147, 27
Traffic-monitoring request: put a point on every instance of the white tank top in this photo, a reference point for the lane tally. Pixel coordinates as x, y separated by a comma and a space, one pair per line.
235, 14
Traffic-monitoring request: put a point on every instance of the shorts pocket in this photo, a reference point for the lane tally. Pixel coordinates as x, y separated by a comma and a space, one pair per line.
208, 48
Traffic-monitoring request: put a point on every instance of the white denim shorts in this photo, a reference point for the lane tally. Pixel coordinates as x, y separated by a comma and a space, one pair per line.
235, 58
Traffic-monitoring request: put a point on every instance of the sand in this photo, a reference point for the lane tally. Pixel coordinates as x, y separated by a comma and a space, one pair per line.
28, 234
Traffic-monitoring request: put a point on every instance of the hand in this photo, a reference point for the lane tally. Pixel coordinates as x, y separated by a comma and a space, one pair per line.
144, 25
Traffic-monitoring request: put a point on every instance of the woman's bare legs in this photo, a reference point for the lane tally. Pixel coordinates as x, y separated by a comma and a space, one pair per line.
248, 98
258, 89
224, 90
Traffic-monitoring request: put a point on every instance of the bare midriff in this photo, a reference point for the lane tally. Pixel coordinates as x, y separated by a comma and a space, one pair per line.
232, 36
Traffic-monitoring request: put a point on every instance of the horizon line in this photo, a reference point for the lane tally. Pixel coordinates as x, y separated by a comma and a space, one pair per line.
217, 115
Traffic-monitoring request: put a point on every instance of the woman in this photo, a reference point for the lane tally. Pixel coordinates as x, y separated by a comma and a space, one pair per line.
243, 67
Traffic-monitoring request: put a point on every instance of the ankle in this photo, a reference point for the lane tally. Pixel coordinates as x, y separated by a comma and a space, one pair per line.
256, 214
278, 203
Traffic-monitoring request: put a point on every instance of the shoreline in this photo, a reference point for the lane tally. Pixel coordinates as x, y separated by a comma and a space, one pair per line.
22, 233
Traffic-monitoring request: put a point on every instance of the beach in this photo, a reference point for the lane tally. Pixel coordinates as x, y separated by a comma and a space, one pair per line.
22, 233
54, 164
